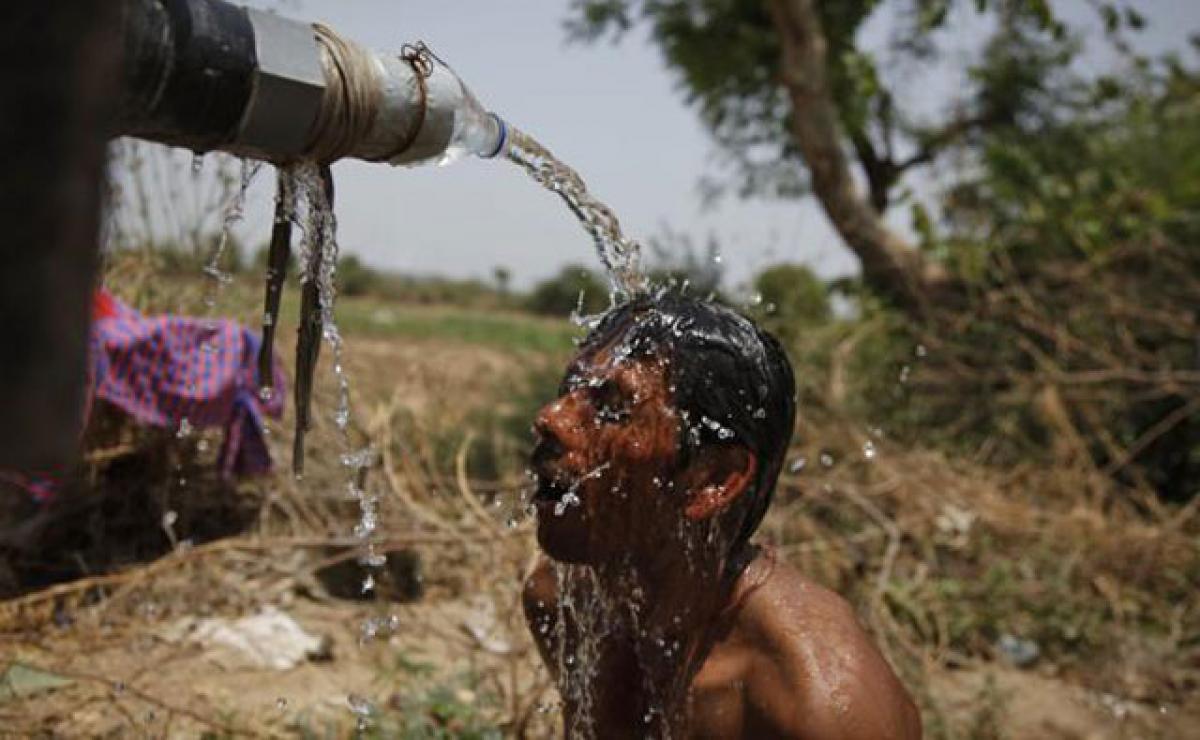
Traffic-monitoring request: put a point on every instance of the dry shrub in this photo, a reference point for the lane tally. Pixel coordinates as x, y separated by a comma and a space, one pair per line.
1090, 363
944, 558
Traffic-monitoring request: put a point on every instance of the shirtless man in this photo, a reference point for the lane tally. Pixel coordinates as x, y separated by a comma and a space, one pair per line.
656, 615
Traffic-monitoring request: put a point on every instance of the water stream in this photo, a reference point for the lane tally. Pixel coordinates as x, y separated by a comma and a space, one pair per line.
620, 255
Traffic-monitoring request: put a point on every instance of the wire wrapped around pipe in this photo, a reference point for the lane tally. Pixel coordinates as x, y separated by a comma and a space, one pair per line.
351, 101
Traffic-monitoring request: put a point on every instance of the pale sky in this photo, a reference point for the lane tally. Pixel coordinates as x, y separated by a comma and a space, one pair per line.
611, 112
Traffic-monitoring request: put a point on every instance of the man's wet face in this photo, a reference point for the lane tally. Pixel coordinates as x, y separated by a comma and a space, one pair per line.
605, 458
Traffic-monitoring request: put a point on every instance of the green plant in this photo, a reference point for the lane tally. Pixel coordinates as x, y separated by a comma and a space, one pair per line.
573, 288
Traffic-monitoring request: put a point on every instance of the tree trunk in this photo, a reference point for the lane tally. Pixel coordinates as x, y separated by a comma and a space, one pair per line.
890, 265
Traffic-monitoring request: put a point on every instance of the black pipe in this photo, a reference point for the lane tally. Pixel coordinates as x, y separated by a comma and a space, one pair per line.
188, 71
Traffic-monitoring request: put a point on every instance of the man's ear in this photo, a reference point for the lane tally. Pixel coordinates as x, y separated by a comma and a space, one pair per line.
718, 478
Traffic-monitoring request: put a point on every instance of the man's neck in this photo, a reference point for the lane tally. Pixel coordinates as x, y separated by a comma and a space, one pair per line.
667, 613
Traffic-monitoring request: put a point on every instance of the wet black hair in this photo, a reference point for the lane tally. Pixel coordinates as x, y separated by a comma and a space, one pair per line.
730, 380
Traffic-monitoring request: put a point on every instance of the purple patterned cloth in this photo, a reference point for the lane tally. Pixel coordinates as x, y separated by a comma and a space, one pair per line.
168, 370
177, 372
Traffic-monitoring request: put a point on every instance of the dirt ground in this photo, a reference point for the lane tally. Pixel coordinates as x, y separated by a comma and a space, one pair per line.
121, 655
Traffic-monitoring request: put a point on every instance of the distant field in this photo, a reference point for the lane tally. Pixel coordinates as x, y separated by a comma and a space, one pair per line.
505, 330
365, 316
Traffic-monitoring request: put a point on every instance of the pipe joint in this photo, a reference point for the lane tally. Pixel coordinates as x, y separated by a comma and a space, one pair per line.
287, 88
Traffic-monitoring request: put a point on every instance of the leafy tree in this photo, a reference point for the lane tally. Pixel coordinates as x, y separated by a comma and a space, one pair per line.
354, 278
800, 106
789, 298
573, 288
1080, 250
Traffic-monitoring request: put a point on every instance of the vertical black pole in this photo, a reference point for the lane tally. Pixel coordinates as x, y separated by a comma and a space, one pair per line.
59, 69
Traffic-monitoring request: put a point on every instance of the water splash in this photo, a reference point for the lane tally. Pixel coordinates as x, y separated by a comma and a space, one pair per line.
571, 497
620, 255
363, 711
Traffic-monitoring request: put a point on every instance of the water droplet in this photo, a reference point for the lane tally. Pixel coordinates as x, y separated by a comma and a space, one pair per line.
362, 709
827, 460
569, 499
869, 450
373, 560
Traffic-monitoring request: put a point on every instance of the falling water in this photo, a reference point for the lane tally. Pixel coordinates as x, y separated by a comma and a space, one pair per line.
319, 248
235, 211
620, 255
582, 604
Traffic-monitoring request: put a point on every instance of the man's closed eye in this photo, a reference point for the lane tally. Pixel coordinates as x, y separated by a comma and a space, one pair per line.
611, 403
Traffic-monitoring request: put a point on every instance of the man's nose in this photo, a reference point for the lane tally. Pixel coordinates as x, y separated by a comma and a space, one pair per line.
560, 421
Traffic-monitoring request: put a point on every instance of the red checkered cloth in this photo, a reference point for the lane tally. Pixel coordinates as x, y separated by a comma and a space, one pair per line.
177, 372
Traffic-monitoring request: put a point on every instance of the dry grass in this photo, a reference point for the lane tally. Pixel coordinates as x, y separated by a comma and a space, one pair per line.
942, 558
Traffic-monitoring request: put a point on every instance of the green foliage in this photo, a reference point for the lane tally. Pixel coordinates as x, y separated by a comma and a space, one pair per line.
440, 712
507, 330
1082, 187
354, 278
573, 288
1078, 239
788, 299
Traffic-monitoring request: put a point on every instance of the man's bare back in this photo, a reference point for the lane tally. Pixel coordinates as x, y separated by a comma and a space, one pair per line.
789, 660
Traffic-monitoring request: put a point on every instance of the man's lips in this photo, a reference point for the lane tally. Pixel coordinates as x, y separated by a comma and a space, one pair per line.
552, 485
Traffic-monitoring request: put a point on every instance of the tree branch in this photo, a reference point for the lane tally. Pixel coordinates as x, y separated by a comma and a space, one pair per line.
889, 264
934, 142
880, 172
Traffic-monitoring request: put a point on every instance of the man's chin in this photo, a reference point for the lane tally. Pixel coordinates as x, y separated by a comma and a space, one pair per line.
561, 544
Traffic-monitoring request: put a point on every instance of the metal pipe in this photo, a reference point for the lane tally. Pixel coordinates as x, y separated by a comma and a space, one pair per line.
209, 75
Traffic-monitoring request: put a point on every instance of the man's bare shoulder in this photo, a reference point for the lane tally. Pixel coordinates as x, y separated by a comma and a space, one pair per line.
539, 597
815, 671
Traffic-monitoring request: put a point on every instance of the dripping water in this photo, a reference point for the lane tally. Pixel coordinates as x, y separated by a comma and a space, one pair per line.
318, 256
235, 211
